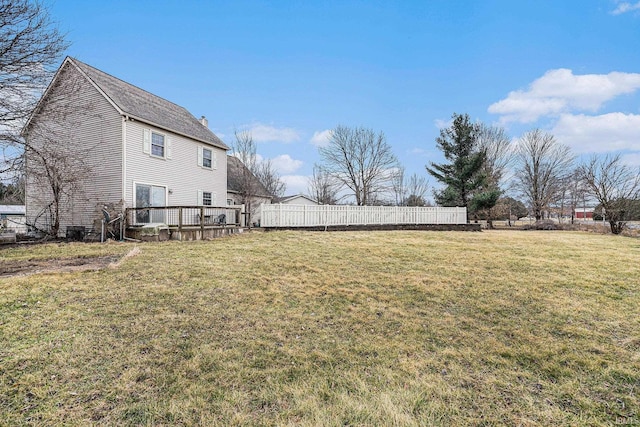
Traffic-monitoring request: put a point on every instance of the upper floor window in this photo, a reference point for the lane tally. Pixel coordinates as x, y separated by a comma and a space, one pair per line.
157, 144
206, 158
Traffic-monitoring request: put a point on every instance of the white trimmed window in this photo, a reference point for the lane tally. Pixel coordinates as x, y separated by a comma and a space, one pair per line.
156, 144
206, 198
207, 158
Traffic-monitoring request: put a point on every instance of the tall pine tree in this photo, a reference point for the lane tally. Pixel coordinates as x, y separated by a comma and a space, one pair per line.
462, 175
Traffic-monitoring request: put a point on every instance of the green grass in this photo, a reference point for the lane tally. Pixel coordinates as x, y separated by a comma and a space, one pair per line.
353, 328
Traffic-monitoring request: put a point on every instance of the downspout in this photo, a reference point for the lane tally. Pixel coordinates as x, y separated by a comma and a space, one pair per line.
124, 163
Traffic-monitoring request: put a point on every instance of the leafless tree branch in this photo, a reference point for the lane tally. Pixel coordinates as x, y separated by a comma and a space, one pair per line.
361, 160
542, 163
614, 185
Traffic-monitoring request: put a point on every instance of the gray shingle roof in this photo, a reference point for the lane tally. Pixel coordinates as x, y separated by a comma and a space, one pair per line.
235, 169
147, 107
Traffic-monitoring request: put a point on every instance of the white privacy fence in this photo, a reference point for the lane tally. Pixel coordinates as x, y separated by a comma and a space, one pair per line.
279, 215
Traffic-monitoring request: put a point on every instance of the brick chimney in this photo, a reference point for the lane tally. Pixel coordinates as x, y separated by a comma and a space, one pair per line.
204, 121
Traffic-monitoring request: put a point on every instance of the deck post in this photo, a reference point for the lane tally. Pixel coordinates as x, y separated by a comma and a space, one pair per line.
202, 222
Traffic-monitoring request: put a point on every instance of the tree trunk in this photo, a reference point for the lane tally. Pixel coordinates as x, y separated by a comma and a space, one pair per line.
616, 226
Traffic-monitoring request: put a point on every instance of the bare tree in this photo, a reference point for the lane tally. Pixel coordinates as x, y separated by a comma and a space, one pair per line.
542, 163
30, 48
270, 178
411, 191
323, 187
494, 142
361, 160
398, 186
254, 179
245, 149
571, 191
615, 186
499, 154
416, 190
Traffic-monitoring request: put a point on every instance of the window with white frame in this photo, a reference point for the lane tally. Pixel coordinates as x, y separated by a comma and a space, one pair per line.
206, 198
157, 144
207, 157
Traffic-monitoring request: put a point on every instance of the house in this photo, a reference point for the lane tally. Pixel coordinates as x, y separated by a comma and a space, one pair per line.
298, 199
242, 185
12, 218
118, 146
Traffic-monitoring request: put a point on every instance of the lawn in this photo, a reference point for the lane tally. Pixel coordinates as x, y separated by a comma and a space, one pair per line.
329, 329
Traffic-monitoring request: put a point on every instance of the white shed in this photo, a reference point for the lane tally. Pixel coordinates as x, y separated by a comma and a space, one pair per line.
13, 218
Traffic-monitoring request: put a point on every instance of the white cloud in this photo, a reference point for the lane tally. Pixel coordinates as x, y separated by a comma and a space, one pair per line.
296, 184
632, 159
321, 139
266, 133
285, 164
560, 91
442, 124
599, 134
624, 7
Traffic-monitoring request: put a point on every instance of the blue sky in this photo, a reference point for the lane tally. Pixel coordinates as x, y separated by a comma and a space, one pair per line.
291, 70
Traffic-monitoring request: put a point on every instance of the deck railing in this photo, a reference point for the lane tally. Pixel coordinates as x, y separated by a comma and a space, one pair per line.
186, 216
281, 215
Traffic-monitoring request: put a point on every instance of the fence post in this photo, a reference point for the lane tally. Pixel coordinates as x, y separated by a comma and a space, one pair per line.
180, 220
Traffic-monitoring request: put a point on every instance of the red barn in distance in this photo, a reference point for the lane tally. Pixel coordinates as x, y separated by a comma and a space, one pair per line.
584, 213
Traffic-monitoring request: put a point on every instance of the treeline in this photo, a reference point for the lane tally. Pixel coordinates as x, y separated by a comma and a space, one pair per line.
484, 170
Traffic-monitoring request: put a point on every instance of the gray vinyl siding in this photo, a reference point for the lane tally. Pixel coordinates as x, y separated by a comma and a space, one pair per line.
98, 137
180, 174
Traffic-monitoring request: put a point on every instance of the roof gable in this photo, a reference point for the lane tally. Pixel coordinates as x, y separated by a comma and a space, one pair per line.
147, 107
285, 199
235, 169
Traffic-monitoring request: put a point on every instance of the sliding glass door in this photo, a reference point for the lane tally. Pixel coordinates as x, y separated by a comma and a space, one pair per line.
150, 196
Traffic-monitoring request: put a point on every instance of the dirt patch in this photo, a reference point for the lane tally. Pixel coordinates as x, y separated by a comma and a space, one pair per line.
60, 265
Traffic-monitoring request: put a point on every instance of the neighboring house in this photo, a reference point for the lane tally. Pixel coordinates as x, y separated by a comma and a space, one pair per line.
12, 218
298, 199
133, 149
242, 185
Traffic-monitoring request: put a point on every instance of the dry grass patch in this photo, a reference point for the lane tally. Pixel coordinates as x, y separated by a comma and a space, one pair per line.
354, 328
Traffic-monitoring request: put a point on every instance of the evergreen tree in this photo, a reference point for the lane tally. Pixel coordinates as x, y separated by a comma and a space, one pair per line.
463, 177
